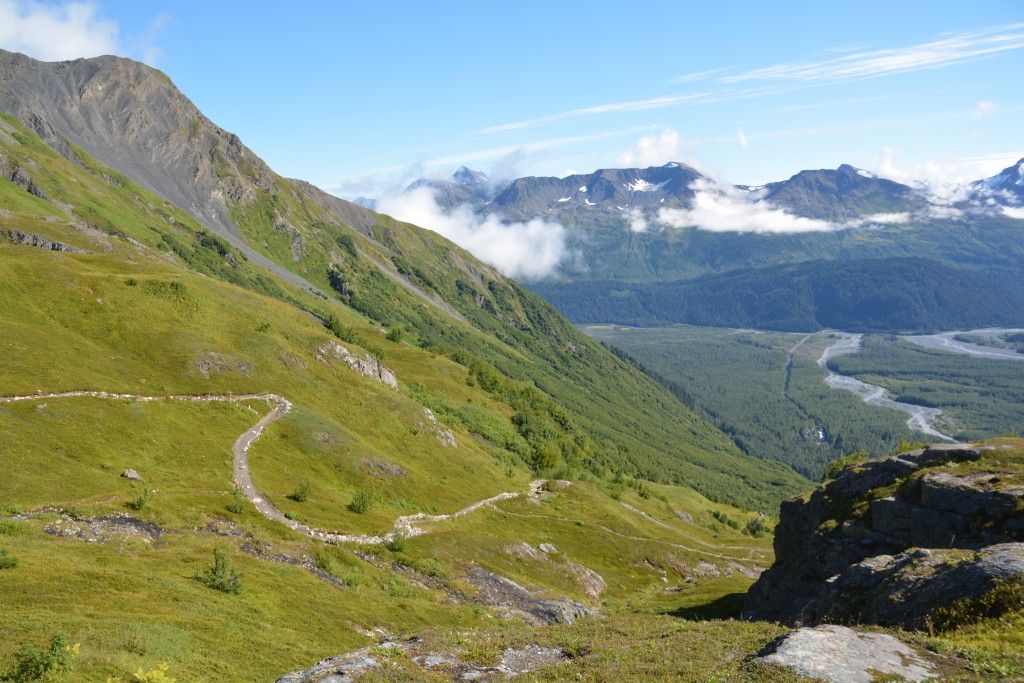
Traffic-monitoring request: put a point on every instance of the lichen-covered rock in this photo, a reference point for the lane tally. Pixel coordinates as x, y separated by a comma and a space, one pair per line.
891, 539
842, 655
905, 589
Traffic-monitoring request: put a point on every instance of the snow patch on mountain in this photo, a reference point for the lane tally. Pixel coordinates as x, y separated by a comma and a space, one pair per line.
641, 185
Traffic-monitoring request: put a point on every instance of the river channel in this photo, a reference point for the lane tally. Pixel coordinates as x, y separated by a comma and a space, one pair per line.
922, 419
947, 341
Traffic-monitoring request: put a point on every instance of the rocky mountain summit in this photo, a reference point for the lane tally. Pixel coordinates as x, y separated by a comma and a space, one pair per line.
909, 540
1006, 187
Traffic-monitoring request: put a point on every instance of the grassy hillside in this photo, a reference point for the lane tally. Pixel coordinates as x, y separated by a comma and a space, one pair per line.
552, 379
103, 286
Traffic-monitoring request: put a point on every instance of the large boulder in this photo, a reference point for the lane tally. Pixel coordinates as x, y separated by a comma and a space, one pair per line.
839, 654
890, 540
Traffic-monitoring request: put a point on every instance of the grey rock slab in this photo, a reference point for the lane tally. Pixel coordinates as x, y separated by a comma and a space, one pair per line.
131, 474
842, 655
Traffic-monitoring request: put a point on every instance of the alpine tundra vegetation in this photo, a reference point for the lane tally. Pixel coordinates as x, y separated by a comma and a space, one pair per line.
251, 431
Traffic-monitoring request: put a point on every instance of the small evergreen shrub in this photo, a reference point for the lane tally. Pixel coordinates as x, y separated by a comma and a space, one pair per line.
141, 500
220, 576
833, 469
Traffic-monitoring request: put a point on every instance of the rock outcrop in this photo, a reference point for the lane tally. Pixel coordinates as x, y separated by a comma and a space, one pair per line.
30, 240
891, 540
366, 365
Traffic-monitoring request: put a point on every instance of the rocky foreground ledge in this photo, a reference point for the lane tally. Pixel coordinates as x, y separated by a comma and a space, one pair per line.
899, 541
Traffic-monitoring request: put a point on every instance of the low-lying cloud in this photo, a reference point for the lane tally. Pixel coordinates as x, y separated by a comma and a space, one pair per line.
723, 208
528, 250
653, 150
54, 33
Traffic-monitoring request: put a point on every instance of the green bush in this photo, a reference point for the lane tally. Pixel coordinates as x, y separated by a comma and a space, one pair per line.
725, 519
7, 561
220, 576
362, 502
396, 543
141, 500
301, 494
757, 527
396, 334
34, 664
237, 504
342, 332
833, 469
1006, 596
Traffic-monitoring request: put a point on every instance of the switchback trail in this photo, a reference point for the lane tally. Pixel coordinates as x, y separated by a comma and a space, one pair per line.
404, 526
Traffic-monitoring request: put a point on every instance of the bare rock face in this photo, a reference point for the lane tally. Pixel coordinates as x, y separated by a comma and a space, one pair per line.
30, 240
839, 654
367, 365
892, 539
131, 118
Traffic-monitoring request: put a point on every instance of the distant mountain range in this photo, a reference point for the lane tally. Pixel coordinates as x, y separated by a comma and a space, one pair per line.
838, 195
670, 224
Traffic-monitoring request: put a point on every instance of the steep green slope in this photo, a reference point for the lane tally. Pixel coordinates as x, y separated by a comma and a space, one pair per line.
888, 295
124, 317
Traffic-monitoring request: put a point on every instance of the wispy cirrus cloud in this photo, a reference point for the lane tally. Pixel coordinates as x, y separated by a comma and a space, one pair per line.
636, 105
699, 75
948, 51
857, 64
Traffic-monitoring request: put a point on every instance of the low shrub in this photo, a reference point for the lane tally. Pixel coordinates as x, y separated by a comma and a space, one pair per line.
362, 502
141, 500
301, 494
220, 576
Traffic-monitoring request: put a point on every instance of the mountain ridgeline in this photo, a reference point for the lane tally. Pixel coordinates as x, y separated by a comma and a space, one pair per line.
869, 295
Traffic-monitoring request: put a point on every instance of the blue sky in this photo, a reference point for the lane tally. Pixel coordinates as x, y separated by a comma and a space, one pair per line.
360, 98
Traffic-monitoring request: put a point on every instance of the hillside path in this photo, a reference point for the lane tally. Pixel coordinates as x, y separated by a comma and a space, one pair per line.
404, 526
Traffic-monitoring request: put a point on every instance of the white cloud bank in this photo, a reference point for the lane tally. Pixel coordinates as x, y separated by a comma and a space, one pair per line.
653, 150
54, 33
946, 181
528, 250
723, 208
